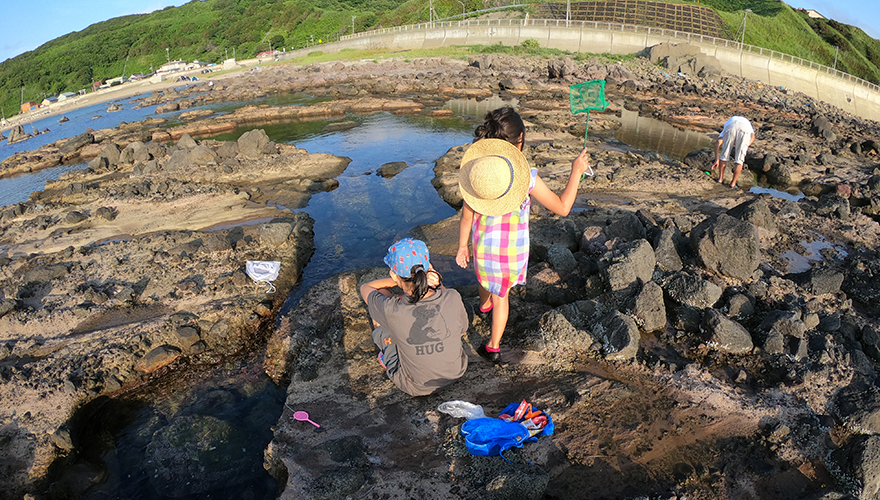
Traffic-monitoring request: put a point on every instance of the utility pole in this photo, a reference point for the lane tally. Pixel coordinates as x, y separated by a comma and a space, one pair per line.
431, 11
168, 54
836, 50
743, 39
462, 8
567, 12
124, 66
352, 25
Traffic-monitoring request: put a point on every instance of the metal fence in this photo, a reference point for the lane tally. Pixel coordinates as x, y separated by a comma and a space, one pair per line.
627, 28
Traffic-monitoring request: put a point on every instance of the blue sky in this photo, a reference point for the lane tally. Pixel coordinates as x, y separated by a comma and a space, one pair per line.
25, 25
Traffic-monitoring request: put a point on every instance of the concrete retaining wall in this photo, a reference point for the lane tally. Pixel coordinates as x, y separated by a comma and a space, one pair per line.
841, 92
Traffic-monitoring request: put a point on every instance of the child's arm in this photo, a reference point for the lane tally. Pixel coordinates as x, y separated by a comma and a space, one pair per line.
561, 205
464, 232
382, 286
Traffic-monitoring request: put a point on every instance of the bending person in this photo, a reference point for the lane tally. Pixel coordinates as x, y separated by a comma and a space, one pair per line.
736, 137
419, 333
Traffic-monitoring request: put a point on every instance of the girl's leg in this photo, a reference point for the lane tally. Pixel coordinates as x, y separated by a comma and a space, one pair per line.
485, 298
500, 311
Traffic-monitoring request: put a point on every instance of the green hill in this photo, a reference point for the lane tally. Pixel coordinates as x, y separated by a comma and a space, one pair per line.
211, 30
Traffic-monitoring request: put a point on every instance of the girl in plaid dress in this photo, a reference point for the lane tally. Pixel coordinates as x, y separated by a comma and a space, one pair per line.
495, 182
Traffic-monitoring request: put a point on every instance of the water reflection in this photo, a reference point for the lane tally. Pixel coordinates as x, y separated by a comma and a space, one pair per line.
355, 223
797, 195
654, 135
473, 107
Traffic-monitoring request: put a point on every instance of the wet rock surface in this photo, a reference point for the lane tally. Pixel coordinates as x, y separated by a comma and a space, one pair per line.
661, 325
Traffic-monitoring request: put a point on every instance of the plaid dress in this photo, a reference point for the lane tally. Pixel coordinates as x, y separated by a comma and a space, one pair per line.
501, 246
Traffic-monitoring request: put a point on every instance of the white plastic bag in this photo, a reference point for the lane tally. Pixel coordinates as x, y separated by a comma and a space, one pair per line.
462, 409
263, 272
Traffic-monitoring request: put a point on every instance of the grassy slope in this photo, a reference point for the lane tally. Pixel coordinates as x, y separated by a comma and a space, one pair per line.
212, 29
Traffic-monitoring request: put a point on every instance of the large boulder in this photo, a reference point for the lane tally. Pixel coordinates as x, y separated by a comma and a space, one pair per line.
690, 290
726, 334
255, 143
74, 143
628, 264
728, 245
619, 336
859, 461
648, 307
757, 212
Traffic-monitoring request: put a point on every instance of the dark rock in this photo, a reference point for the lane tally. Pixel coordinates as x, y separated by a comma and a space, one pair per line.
75, 217
561, 259
648, 307
544, 233
106, 213
44, 274
860, 460
74, 143
725, 334
824, 280
665, 251
727, 245
98, 164
557, 331
835, 205
7, 306
755, 211
629, 263
619, 335
389, 170
740, 306
685, 288
627, 228
187, 336
701, 159
781, 332
821, 127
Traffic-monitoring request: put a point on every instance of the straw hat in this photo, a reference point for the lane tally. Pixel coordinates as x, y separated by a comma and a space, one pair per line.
494, 177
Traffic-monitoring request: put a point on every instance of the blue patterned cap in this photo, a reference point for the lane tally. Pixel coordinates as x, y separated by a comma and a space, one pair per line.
405, 254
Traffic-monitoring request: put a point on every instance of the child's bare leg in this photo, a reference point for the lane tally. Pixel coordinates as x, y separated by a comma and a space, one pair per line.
721, 166
485, 298
500, 311
737, 169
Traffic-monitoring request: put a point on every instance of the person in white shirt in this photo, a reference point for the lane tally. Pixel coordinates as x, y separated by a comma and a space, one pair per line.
733, 142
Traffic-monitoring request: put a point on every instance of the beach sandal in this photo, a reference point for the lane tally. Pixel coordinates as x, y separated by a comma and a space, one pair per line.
484, 311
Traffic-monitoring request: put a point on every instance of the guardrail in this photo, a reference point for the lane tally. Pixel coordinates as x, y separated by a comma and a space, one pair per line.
630, 28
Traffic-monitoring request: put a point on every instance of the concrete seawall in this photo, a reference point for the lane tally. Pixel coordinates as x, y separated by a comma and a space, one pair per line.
848, 93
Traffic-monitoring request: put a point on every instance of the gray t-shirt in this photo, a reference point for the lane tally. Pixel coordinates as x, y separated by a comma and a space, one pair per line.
427, 335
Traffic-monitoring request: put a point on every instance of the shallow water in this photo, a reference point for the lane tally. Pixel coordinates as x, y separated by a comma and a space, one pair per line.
647, 133
797, 195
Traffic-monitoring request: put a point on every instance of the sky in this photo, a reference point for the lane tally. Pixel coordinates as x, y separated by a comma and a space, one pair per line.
25, 25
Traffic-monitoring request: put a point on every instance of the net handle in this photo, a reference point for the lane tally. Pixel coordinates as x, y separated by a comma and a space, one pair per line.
585, 175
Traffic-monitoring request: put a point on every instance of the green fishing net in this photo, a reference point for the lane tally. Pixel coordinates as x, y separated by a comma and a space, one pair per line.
588, 96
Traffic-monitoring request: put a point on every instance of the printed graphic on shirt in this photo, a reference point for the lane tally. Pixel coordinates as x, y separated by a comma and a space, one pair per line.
423, 329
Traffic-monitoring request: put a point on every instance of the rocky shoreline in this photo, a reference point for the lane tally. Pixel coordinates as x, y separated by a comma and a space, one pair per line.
661, 326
